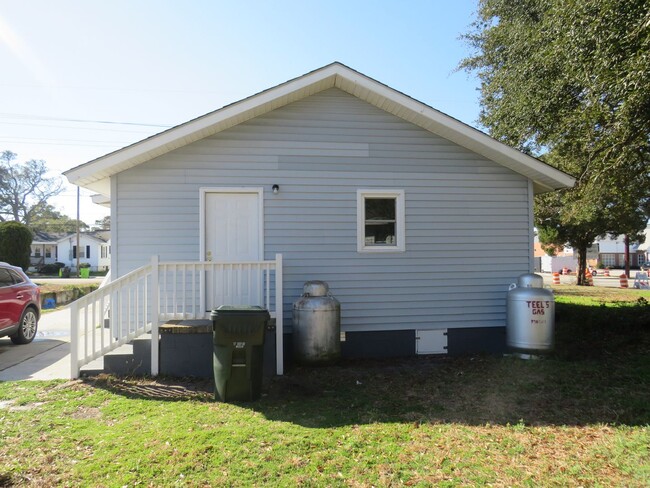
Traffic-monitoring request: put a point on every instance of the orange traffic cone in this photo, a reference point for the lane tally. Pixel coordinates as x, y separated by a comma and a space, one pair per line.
623, 281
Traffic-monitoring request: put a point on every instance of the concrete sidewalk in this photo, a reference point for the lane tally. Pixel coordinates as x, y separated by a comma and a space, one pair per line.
46, 358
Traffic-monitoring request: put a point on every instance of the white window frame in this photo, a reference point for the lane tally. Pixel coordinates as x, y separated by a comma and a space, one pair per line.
608, 259
400, 224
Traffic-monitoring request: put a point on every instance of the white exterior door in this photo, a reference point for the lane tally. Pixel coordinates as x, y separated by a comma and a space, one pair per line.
233, 234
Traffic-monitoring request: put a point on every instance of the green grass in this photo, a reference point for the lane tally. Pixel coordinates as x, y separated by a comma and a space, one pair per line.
578, 418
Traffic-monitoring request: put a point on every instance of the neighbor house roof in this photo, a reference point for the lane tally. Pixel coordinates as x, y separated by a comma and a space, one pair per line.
45, 238
97, 235
96, 174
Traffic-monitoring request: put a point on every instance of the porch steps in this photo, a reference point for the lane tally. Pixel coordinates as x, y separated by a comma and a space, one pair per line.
132, 359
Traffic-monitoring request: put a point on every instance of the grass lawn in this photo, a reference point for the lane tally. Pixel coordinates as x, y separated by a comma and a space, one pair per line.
578, 418
57, 287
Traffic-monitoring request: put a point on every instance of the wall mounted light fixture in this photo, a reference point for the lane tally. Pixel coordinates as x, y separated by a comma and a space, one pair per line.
276, 189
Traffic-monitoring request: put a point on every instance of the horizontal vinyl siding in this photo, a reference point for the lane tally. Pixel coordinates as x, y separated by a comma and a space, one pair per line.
467, 218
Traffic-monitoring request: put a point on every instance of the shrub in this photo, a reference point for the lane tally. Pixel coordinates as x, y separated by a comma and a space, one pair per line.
15, 242
84, 265
51, 269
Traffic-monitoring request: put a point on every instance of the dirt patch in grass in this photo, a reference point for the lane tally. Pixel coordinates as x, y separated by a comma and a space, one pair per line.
167, 389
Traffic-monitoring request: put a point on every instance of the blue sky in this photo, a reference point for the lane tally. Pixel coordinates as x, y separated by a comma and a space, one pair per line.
72, 69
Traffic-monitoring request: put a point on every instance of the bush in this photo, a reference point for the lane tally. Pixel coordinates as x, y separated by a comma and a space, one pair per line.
15, 242
51, 269
84, 265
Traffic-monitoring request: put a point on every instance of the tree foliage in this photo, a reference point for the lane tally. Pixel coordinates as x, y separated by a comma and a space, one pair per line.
24, 188
15, 244
45, 218
568, 80
103, 223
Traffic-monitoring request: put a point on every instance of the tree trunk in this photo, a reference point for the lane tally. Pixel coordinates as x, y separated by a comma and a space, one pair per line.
627, 256
582, 264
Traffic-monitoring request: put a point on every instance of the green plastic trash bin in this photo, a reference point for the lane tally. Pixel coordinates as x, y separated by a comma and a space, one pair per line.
238, 336
84, 273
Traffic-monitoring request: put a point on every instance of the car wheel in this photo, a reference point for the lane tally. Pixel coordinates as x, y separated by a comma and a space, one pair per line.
27, 328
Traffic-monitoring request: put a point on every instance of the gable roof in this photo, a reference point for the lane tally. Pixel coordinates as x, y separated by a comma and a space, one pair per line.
96, 235
95, 175
45, 237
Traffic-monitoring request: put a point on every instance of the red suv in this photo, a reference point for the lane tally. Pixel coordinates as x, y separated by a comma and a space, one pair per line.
20, 305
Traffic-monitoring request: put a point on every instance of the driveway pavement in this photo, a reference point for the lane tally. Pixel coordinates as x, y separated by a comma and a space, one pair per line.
46, 358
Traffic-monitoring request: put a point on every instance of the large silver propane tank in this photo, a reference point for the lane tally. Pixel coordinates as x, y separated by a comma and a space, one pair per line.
530, 315
316, 333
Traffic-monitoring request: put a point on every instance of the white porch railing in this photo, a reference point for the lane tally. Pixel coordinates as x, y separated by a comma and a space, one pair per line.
138, 302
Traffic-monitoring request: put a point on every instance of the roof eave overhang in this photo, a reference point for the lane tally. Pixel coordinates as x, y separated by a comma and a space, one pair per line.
96, 174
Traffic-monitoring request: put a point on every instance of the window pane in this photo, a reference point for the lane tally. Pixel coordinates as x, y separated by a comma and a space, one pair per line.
5, 278
380, 209
16, 277
380, 221
377, 235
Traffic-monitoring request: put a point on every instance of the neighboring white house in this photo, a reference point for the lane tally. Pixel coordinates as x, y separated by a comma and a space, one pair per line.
95, 249
354, 183
44, 249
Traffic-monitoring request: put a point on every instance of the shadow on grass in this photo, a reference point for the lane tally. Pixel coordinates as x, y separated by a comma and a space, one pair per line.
599, 373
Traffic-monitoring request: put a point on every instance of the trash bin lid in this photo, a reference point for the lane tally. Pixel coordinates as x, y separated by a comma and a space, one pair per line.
230, 310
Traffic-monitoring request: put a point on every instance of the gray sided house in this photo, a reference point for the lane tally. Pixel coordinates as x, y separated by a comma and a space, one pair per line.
417, 221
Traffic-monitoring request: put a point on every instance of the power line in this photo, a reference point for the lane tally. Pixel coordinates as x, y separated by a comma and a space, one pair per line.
62, 144
103, 129
28, 139
87, 121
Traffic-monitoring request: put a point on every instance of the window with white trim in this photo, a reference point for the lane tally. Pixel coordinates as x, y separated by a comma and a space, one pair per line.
608, 259
380, 221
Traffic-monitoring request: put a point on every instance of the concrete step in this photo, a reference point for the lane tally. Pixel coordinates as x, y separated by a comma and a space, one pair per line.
122, 362
133, 359
93, 368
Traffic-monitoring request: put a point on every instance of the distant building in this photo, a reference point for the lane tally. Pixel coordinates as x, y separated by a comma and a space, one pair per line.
611, 252
94, 249
44, 249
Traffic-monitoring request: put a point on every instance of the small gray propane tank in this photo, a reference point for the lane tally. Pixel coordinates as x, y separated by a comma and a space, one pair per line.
530, 315
316, 333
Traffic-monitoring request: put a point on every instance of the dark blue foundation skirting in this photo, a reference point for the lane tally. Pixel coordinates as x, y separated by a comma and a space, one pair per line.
191, 354
485, 340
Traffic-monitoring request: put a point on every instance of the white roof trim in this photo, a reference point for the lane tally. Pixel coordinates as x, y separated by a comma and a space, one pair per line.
95, 174
73, 237
100, 199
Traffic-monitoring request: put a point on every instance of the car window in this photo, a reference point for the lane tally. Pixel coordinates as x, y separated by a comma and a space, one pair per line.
5, 278
16, 277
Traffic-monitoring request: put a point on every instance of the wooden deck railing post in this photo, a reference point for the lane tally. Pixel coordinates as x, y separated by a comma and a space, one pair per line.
155, 314
74, 341
279, 322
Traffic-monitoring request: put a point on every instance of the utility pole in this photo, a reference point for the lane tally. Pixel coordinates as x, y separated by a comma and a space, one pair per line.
78, 236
